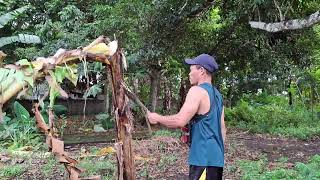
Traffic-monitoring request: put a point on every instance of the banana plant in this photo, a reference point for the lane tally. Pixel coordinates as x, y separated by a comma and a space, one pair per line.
22, 38
16, 77
23, 74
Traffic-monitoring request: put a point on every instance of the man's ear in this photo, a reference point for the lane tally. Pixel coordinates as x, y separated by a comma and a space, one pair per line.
203, 71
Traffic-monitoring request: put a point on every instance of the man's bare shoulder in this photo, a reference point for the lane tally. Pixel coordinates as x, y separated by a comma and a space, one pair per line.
196, 91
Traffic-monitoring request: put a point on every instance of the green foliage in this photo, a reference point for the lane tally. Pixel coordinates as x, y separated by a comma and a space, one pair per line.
105, 120
62, 126
166, 161
252, 169
271, 114
58, 75
8, 76
20, 112
28, 53
59, 109
12, 171
104, 167
23, 38
154, 34
166, 132
144, 92
70, 16
259, 170
20, 130
93, 91
6, 18
158, 35
66, 28
47, 169
96, 71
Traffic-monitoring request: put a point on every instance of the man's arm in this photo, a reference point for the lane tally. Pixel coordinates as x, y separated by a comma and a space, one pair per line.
223, 126
188, 110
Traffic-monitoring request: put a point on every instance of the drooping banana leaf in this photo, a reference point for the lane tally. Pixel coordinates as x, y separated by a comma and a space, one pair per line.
23, 38
4, 19
13, 81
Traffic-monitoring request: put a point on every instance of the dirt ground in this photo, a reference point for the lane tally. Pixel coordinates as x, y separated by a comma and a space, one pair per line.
166, 157
242, 145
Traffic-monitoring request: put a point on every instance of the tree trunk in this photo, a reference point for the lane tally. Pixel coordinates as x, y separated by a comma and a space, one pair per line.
290, 93
107, 99
312, 102
126, 169
183, 92
154, 77
228, 102
167, 95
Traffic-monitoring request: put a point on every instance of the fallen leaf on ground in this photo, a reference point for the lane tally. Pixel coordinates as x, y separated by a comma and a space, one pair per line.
106, 150
142, 158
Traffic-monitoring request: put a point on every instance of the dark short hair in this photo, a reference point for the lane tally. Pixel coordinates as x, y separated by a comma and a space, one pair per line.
207, 72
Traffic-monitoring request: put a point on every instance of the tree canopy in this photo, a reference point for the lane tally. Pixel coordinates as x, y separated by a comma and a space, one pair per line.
157, 36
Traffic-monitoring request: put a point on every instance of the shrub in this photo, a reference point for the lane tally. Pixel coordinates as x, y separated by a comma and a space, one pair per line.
19, 130
276, 117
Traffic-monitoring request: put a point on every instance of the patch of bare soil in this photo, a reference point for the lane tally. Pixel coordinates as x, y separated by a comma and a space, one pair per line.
276, 147
166, 157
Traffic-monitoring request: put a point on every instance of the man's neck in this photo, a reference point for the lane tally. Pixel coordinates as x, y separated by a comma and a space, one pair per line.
206, 80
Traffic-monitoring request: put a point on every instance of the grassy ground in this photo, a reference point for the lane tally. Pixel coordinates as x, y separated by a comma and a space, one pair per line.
248, 156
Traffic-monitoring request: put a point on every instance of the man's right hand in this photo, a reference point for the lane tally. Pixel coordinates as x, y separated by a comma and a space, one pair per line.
152, 117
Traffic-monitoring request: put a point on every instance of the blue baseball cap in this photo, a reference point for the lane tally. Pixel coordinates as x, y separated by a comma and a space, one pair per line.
204, 60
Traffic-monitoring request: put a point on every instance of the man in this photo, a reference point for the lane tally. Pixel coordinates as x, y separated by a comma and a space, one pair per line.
203, 107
